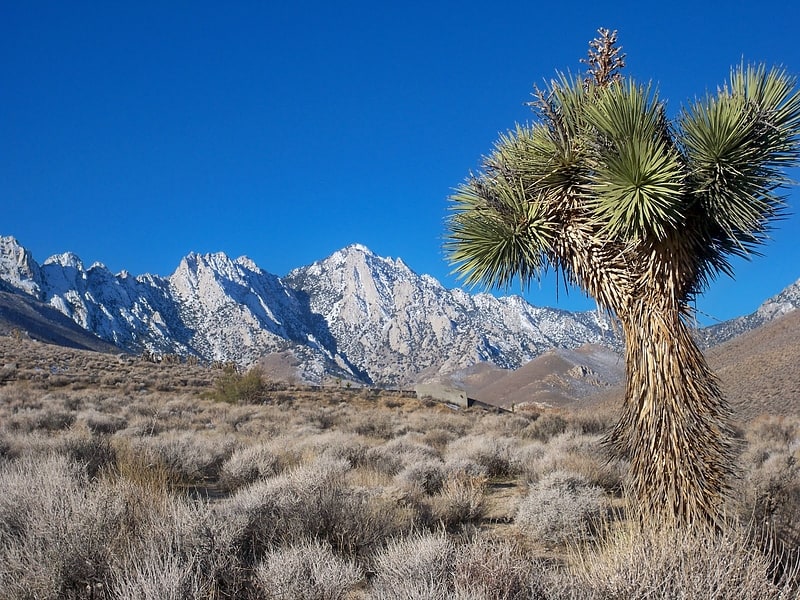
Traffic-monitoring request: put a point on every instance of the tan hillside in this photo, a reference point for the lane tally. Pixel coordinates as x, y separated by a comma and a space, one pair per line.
559, 378
760, 370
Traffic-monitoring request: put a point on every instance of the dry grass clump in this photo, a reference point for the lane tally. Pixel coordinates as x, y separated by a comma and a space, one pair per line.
189, 458
641, 564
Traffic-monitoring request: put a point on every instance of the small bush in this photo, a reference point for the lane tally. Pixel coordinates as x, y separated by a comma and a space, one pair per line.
102, 423
497, 455
462, 500
189, 458
393, 456
768, 493
415, 568
546, 426
94, 453
165, 553
562, 507
249, 464
492, 569
56, 531
310, 571
309, 502
375, 424
235, 388
141, 467
50, 418
435, 566
427, 475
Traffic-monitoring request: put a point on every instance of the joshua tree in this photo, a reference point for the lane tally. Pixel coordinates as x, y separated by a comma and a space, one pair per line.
642, 212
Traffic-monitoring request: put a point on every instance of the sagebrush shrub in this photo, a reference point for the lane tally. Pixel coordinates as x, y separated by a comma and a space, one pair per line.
98, 422
462, 499
246, 465
189, 458
768, 492
169, 549
311, 501
393, 456
494, 569
497, 455
94, 453
427, 475
308, 571
49, 418
577, 453
561, 507
336, 445
418, 567
548, 425
58, 532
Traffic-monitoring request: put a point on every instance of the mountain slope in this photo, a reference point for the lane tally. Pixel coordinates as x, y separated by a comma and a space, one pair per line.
558, 378
353, 315
23, 313
758, 370
783, 303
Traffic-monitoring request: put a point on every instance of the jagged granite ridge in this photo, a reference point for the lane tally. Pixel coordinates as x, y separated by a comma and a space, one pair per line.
353, 315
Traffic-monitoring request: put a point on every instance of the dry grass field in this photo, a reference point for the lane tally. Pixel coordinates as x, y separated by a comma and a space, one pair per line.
121, 478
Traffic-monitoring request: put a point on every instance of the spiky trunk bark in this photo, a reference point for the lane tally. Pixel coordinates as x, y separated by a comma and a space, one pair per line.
674, 425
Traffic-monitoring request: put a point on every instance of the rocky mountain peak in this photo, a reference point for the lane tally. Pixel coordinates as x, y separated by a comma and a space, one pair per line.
66, 260
781, 304
17, 267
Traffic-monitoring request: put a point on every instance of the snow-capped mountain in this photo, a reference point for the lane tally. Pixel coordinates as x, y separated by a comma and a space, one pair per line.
394, 324
354, 315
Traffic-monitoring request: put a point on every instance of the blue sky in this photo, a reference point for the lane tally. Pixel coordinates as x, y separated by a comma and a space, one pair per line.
134, 133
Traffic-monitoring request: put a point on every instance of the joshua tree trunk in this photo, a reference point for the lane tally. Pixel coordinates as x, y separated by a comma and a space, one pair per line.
674, 424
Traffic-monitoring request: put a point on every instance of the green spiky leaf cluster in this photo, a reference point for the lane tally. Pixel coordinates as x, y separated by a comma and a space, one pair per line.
605, 154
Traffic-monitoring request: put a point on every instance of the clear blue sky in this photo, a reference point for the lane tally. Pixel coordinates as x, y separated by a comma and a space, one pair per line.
133, 133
